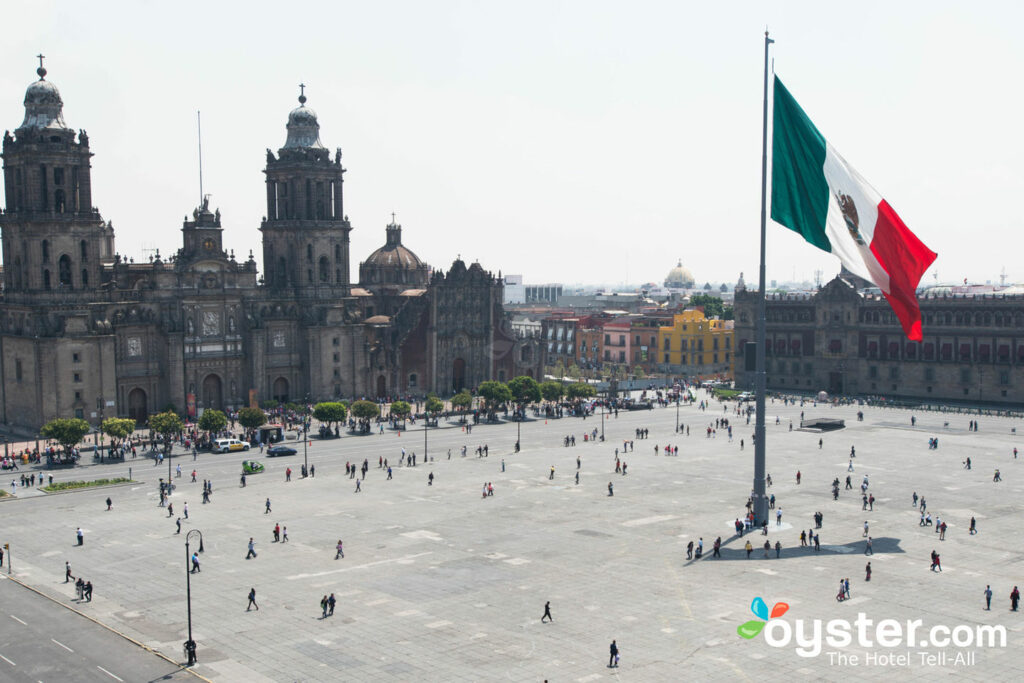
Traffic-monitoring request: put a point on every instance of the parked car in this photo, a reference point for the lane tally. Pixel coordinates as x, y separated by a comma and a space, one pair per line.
275, 451
226, 445
251, 467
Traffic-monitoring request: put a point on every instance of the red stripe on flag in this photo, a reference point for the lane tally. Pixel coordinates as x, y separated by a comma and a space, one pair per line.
905, 258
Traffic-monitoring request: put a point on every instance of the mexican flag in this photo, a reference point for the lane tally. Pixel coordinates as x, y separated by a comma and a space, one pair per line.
817, 194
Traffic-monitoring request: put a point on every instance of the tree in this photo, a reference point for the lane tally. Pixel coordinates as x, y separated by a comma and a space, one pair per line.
269, 404
712, 305
524, 390
251, 418
434, 406
365, 410
67, 431
580, 390
117, 428
213, 421
329, 412
494, 394
551, 390
401, 409
461, 401
166, 424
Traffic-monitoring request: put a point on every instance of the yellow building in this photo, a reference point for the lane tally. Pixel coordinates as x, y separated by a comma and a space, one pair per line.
697, 347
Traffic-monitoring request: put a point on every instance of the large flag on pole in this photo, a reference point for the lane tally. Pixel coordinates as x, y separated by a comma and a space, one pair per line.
817, 194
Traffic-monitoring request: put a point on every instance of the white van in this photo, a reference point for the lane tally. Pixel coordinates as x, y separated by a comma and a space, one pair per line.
227, 445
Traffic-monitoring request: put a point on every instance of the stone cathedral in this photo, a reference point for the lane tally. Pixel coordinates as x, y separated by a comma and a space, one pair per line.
87, 332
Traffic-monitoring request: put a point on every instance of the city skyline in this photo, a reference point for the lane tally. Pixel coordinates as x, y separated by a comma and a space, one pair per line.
510, 136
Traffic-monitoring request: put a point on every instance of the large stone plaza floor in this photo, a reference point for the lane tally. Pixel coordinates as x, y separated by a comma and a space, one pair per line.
440, 584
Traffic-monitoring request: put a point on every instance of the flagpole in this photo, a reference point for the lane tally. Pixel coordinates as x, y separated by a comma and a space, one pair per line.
760, 499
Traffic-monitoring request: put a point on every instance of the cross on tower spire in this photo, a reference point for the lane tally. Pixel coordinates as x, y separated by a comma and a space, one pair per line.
302, 93
392, 218
41, 70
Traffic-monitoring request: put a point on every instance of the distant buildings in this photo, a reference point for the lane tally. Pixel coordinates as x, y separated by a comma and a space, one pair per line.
695, 346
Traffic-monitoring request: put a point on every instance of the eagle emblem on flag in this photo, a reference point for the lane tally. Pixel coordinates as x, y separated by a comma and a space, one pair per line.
849, 209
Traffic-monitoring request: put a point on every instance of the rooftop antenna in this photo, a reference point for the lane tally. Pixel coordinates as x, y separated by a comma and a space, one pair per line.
199, 129
1002, 276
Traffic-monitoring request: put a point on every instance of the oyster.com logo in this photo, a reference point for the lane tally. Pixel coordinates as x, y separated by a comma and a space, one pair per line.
753, 627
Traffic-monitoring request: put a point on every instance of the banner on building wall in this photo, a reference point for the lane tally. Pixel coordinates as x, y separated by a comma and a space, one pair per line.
252, 399
190, 404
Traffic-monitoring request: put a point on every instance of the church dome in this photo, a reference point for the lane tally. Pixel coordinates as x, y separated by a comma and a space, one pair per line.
303, 128
679, 277
394, 263
43, 105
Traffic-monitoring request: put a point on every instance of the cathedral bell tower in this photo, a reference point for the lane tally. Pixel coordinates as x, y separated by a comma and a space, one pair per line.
53, 238
305, 231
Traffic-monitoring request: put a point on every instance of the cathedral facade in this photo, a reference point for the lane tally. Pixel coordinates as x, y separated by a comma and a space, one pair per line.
85, 332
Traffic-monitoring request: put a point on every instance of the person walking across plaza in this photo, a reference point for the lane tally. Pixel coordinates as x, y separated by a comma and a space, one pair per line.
252, 600
195, 562
67, 572
252, 549
80, 536
109, 503
547, 612
1014, 599
323, 607
867, 572
613, 659
988, 598
267, 506
868, 550
331, 601
340, 551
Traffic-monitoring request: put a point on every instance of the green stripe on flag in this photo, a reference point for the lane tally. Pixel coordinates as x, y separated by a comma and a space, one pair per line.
799, 190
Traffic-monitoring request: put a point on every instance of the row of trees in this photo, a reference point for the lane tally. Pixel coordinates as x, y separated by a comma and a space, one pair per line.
525, 390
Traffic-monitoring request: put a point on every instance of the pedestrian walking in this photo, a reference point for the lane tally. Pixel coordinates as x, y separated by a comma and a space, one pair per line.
613, 659
988, 598
340, 551
185, 509
323, 606
358, 486
284, 535
81, 536
109, 503
778, 549
867, 572
267, 510
67, 572
1014, 599
547, 612
973, 530
867, 547
252, 600
330, 605
177, 522
252, 549
195, 562
430, 479
611, 491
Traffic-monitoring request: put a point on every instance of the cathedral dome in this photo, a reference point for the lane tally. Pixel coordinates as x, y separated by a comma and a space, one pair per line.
679, 277
43, 105
303, 128
394, 263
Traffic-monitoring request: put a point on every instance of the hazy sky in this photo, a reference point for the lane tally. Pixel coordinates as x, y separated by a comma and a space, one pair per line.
567, 141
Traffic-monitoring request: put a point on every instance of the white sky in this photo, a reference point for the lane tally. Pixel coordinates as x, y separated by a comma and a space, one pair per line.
567, 141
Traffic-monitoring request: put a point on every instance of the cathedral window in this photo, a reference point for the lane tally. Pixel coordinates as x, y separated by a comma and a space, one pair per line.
64, 270
58, 201
309, 275
325, 273
413, 378
309, 199
337, 252
309, 252
337, 275
58, 176
46, 251
84, 250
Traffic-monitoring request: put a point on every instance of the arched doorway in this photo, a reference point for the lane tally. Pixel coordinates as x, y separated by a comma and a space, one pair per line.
529, 372
458, 375
138, 410
213, 392
382, 386
281, 390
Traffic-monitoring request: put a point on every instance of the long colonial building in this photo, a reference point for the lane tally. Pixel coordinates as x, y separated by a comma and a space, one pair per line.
86, 332
848, 342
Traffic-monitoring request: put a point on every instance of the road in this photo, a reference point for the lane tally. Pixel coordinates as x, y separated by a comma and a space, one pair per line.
41, 641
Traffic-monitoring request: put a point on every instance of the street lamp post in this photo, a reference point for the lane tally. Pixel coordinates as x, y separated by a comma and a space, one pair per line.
190, 645
602, 421
677, 412
426, 423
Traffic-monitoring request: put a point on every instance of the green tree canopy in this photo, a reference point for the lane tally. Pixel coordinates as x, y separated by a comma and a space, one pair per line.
213, 421
434, 406
67, 431
166, 423
365, 410
524, 390
551, 390
494, 393
330, 412
401, 409
462, 400
580, 390
251, 418
269, 404
117, 428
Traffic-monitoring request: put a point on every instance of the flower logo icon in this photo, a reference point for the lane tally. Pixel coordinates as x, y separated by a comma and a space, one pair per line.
751, 628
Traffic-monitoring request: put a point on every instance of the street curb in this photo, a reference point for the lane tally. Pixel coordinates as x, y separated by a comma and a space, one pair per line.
134, 482
109, 628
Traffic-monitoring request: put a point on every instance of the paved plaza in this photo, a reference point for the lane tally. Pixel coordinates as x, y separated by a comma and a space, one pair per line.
439, 583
